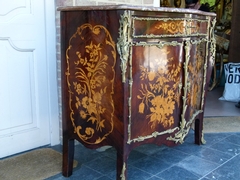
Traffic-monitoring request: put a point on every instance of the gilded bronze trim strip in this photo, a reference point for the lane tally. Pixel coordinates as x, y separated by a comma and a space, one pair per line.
130, 82
124, 42
159, 44
122, 176
154, 134
179, 136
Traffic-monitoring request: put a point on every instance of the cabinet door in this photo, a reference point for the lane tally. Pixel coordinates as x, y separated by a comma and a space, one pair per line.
157, 88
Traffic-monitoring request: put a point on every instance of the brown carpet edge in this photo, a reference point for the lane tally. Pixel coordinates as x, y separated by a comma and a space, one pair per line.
33, 165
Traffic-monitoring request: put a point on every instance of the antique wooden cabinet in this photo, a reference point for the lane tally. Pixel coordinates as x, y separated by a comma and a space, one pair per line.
133, 75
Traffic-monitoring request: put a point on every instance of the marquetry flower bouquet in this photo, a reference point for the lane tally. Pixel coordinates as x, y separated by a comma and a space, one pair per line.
90, 86
159, 91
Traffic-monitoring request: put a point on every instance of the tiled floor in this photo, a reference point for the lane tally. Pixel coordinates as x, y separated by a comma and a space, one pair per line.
218, 159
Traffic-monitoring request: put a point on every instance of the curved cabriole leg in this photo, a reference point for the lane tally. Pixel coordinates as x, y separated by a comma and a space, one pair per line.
68, 155
121, 166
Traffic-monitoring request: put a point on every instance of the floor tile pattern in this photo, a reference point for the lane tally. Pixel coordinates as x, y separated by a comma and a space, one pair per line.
218, 159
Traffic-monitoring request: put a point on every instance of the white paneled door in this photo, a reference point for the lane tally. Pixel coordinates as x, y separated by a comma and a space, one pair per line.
28, 97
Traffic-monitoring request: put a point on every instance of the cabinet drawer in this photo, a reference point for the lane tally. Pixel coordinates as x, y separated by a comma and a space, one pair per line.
152, 27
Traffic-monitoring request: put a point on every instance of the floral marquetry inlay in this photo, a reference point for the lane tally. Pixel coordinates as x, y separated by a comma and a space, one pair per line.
172, 26
158, 87
156, 95
90, 82
196, 70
